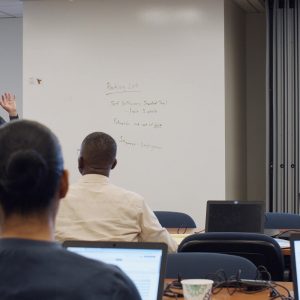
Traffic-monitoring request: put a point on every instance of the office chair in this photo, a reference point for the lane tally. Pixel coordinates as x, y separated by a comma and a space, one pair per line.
172, 219
201, 265
262, 250
274, 220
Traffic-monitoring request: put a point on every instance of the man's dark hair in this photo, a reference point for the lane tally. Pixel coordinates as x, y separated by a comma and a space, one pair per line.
99, 150
31, 165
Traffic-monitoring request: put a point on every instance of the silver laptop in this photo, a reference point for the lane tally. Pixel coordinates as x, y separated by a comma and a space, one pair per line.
144, 263
295, 262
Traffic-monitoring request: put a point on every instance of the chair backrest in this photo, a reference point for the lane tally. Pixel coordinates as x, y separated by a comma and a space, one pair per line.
172, 219
201, 265
275, 220
262, 250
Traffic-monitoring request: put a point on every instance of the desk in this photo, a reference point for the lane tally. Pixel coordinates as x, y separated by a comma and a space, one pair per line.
223, 294
185, 230
178, 234
286, 251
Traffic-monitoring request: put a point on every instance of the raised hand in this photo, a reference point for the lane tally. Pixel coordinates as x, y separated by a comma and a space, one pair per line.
8, 102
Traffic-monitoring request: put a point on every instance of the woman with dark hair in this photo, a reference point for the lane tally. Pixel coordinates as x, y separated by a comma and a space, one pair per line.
32, 265
8, 103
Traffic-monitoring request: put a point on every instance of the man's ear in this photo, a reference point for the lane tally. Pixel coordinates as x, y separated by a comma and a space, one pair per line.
64, 184
80, 164
114, 164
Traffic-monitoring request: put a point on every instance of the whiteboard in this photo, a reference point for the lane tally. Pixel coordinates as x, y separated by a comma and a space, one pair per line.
149, 73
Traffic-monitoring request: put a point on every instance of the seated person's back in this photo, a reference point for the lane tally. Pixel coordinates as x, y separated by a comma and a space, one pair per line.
95, 209
40, 270
32, 266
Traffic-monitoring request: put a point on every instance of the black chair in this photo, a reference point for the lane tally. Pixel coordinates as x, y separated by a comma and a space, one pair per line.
201, 265
274, 220
262, 250
172, 219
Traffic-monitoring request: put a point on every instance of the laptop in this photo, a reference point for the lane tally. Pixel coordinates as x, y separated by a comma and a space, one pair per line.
144, 263
234, 216
295, 262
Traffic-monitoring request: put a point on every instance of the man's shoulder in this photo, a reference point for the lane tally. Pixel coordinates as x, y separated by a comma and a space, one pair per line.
108, 187
81, 262
64, 271
87, 267
93, 272
52, 256
126, 192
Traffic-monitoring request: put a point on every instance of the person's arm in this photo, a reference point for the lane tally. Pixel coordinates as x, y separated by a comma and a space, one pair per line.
8, 103
152, 231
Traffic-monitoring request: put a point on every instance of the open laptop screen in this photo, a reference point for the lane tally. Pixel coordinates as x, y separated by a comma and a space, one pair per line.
295, 259
234, 216
144, 263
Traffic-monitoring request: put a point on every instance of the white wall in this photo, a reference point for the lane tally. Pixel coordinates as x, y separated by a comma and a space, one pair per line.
170, 50
11, 59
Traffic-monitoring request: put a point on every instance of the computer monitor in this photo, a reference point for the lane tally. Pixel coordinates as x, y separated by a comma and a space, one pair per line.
234, 216
144, 263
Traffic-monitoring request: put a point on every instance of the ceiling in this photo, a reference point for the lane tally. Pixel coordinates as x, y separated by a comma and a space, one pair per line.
14, 8
11, 9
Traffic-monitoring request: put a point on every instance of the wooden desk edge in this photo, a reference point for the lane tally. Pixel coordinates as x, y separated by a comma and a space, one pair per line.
224, 295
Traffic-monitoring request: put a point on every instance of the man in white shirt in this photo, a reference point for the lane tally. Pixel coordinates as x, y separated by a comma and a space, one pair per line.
95, 209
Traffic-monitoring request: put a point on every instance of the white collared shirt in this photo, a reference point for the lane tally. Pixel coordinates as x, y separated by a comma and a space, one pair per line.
95, 209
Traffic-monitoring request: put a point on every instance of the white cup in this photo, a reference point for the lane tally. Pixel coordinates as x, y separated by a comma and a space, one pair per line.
197, 289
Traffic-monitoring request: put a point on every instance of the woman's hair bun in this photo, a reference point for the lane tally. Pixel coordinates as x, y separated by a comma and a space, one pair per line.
25, 173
